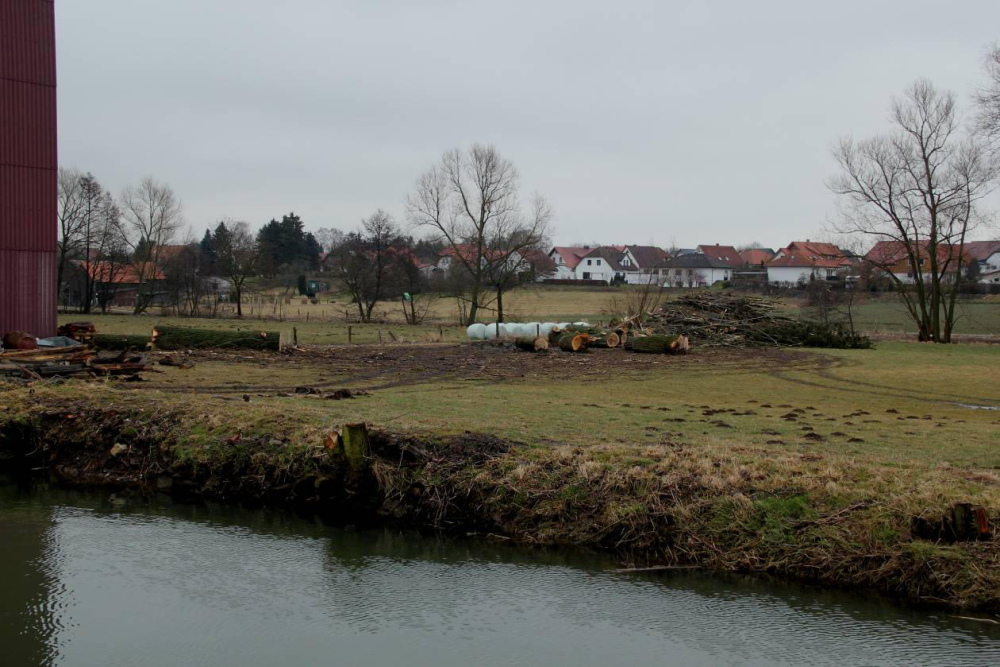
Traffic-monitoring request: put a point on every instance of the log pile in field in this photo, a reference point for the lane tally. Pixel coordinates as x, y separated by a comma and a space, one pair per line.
181, 338
81, 332
719, 319
660, 344
69, 361
532, 343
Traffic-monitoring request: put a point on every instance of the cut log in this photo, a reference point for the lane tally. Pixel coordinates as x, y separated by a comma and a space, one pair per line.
179, 338
532, 343
554, 335
573, 342
660, 344
606, 339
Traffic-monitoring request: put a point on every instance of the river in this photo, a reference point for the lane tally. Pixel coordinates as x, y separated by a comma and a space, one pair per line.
89, 579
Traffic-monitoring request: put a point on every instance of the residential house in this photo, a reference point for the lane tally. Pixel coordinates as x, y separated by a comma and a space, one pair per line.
602, 263
801, 261
113, 284
726, 254
892, 257
694, 270
565, 260
756, 257
797, 268
641, 263
987, 253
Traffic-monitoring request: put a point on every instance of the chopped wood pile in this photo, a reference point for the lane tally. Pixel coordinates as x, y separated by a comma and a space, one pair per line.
81, 332
70, 361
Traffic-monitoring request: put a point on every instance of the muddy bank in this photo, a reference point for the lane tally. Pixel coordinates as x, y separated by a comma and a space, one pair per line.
663, 507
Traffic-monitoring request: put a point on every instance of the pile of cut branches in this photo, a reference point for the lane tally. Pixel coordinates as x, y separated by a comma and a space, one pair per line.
719, 319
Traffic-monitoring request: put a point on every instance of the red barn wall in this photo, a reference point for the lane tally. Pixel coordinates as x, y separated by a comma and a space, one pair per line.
28, 166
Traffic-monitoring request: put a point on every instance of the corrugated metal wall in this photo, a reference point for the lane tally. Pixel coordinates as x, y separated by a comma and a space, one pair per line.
28, 166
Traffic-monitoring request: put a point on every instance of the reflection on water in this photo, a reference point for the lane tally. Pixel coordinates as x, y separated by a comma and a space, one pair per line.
91, 582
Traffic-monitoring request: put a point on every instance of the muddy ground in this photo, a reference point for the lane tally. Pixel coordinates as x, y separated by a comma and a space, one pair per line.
385, 366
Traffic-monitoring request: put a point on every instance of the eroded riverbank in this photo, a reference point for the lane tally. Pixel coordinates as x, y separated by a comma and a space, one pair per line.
668, 505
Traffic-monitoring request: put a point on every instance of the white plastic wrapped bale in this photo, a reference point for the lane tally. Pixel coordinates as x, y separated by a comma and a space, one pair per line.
546, 329
532, 329
563, 325
491, 332
476, 331
581, 324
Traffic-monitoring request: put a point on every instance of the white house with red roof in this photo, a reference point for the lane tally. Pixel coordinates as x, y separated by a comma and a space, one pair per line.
566, 259
802, 261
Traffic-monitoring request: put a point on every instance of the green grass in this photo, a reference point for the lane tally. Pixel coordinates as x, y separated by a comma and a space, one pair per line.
622, 454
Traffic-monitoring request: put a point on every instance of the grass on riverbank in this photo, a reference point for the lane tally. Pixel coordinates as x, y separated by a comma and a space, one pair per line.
807, 463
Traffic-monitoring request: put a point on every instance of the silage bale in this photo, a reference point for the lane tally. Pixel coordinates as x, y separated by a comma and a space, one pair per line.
476, 331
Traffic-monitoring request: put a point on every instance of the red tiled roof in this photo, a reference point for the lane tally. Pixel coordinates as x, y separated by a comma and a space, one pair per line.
123, 275
981, 250
571, 255
722, 253
756, 256
797, 259
885, 253
647, 256
814, 248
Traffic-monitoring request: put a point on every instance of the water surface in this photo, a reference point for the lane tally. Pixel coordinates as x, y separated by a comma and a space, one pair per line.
88, 580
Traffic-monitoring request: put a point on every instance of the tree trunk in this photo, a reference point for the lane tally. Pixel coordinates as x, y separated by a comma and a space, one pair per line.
179, 338
660, 344
532, 343
499, 305
239, 301
573, 342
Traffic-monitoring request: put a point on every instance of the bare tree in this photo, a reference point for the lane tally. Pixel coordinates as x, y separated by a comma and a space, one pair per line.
329, 238
471, 202
365, 261
917, 190
151, 217
509, 249
110, 254
239, 254
988, 101
70, 221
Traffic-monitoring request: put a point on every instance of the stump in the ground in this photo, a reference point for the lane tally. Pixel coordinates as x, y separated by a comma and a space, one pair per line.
532, 343
179, 338
356, 446
657, 344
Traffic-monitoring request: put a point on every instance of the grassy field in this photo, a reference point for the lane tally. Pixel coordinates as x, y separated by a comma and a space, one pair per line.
805, 463
326, 321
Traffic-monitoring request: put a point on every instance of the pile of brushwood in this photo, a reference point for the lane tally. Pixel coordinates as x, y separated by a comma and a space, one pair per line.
720, 319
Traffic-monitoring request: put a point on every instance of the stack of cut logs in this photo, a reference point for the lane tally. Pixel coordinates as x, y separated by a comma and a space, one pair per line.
70, 361
579, 338
81, 332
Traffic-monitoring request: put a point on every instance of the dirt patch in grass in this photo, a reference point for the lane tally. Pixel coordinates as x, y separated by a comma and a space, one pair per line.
381, 367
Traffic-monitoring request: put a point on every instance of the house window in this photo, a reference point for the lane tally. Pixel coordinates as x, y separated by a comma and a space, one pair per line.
588, 262
586, 276
598, 262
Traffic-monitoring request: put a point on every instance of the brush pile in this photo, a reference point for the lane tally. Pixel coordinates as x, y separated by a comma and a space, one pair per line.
719, 319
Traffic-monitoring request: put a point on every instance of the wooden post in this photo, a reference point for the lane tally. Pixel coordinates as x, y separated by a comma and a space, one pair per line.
356, 447
295, 336
350, 333
379, 336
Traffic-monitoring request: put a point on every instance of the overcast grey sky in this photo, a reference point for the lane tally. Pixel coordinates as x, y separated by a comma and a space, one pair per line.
693, 122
